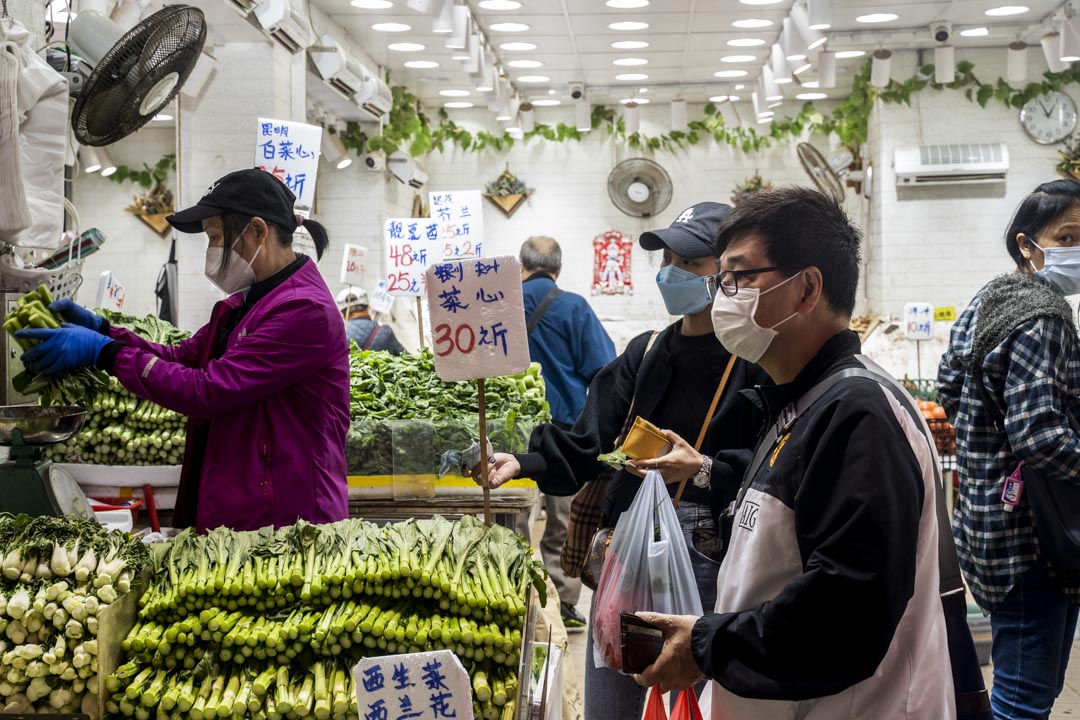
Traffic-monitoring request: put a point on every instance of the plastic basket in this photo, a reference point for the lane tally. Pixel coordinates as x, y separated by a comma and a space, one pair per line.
114, 503
921, 389
63, 282
944, 436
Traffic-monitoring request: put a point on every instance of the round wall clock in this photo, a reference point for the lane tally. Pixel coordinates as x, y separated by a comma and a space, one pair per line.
1049, 118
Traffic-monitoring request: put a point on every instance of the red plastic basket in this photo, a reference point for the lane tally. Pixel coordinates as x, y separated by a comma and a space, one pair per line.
105, 504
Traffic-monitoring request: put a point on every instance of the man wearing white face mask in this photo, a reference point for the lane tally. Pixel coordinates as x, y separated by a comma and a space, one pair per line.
265, 384
828, 603
1010, 382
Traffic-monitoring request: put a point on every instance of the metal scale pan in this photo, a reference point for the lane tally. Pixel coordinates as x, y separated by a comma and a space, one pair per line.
27, 483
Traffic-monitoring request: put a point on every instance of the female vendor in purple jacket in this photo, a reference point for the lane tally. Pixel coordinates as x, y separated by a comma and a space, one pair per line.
265, 384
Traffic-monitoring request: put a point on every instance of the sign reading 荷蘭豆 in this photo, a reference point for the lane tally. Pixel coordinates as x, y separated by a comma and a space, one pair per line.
477, 318
411, 244
460, 218
290, 152
418, 686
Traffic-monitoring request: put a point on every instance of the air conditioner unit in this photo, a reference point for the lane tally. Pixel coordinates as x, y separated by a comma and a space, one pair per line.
286, 23
244, 7
375, 97
340, 71
951, 164
406, 169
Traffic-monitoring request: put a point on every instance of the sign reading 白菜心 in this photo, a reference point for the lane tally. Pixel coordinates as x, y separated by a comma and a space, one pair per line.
460, 219
427, 686
477, 318
290, 152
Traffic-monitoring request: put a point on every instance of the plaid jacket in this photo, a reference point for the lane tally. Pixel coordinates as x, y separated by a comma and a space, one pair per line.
1034, 378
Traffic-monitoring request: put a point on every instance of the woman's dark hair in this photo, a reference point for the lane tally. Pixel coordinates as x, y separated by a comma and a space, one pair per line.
1041, 207
233, 224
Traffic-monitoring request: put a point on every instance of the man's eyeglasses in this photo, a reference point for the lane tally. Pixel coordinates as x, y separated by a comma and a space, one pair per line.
727, 281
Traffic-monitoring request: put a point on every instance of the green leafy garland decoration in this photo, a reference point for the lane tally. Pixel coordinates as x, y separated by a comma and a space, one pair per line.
410, 127
148, 177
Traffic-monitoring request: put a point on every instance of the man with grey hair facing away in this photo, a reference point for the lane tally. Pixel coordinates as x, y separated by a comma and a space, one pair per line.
571, 345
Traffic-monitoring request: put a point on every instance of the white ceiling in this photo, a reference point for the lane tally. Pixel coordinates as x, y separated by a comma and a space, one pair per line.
687, 41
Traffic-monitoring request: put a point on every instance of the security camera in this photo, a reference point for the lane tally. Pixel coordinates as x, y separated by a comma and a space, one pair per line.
940, 31
577, 91
375, 160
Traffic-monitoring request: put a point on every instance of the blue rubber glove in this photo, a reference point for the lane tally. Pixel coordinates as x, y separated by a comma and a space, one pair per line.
69, 348
75, 313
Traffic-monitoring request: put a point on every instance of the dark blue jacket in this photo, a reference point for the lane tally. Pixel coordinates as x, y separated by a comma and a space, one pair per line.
569, 343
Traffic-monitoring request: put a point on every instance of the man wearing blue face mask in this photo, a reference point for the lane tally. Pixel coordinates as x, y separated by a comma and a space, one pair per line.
1010, 382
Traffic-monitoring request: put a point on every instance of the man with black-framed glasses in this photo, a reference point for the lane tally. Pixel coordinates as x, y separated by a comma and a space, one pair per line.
828, 601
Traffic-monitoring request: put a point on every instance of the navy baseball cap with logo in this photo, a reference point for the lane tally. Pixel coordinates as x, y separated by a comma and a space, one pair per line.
253, 192
693, 234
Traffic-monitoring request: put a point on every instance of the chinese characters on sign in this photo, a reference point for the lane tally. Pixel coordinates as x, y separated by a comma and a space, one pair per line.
919, 321
290, 152
945, 314
352, 265
477, 318
411, 244
381, 300
420, 686
611, 264
110, 294
460, 219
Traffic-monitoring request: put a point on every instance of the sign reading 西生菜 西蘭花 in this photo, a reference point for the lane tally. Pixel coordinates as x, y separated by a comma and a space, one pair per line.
410, 245
477, 318
427, 685
290, 152
460, 218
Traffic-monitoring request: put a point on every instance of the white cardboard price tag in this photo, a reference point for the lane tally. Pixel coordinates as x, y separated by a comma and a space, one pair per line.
110, 293
353, 265
427, 686
919, 321
290, 152
381, 300
410, 244
460, 217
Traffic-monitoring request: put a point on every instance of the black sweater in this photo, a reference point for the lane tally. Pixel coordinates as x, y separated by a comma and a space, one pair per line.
562, 461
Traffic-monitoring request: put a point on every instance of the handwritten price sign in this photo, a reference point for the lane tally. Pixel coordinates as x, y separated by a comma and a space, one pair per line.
411, 244
290, 152
919, 321
419, 685
352, 265
460, 218
477, 318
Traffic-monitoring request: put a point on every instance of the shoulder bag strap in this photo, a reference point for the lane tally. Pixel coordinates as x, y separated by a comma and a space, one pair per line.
371, 336
542, 308
705, 424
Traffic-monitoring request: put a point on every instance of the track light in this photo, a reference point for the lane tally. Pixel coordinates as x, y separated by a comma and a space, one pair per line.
826, 62
819, 15
200, 75
794, 47
108, 167
1051, 45
631, 118
879, 68
730, 114
334, 150
813, 38
756, 100
583, 113
1070, 40
1016, 67
442, 17
88, 155
944, 64
476, 53
528, 122
769, 87
678, 115
781, 71
457, 39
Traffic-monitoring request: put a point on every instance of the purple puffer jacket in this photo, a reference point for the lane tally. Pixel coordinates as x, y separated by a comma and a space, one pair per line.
278, 402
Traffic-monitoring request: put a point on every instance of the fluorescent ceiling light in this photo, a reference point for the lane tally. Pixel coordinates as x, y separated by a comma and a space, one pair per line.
846, 54
421, 64
534, 79
628, 25
372, 4
454, 93
1006, 10
517, 46
509, 27
632, 76
746, 42
500, 4
525, 64
406, 47
975, 32
391, 27
458, 105
752, 23
630, 62
811, 96
874, 18
730, 73
629, 44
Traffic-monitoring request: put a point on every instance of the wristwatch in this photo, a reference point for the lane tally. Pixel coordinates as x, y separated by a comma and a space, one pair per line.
703, 478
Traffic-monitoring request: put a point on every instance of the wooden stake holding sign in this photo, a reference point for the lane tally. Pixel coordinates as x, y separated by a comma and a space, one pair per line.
478, 330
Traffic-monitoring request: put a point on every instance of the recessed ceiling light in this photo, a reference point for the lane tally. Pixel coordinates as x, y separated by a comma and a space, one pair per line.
759, 2
454, 93
642, 91
405, 47
740, 86
738, 58
719, 98
421, 64
752, 23
628, 25
811, 96
515, 47
746, 42
630, 62
458, 105
372, 4
534, 79
811, 84
730, 73
525, 64
391, 27
975, 32
629, 44
553, 91
1006, 10
546, 102
874, 18
461, 57
639, 101
846, 54
509, 27
162, 117
484, 88
632, 76
500, 4
627, 4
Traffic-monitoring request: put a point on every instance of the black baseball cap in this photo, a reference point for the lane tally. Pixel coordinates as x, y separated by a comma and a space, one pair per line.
693, 234
252, 192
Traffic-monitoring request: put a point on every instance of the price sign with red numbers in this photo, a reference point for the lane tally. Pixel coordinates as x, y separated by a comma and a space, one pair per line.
460, 218
411, 244
477, 318
352, 265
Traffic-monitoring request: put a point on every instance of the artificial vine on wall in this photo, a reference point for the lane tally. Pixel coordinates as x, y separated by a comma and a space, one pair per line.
410, 128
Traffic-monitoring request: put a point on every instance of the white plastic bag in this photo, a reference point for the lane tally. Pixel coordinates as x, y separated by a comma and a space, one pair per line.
646, 567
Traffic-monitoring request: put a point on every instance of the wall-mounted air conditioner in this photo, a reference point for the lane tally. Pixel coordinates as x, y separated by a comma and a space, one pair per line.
286, 22
244, 7
406, 169
951, 164
340, 71
375, 97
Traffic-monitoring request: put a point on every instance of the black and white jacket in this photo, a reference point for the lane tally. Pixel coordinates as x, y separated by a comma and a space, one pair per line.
828, 604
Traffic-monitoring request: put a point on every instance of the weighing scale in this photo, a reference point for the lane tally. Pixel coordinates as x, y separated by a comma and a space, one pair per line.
29, 484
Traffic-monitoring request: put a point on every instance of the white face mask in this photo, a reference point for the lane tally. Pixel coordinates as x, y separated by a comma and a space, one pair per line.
736, 327
239, 275
1061, 268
